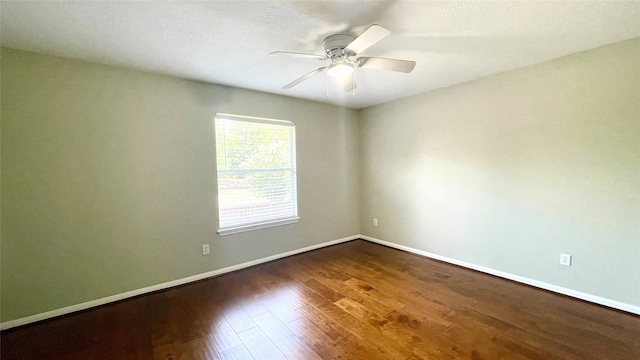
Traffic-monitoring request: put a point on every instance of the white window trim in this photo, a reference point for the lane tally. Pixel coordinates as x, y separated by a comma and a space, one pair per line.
262, 225
268, 223
257, 119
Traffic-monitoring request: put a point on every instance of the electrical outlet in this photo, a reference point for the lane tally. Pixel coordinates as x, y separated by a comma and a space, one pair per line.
375, 222
565, 259
205, 249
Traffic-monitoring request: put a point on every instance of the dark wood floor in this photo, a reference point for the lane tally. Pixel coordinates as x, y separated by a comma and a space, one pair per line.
356, 300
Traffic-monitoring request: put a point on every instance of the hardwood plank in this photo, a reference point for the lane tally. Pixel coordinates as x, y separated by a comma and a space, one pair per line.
325, 345
224, 337
283, 338
397, 298
409, 332
201, 349
478, 345
239, 352
323, 290
354, 348
370, 334
259, 345
131, 337
280, 309
520, 348
328, 326
355, 300
360, 312
238, 319
334, 279
253, 307
168, 352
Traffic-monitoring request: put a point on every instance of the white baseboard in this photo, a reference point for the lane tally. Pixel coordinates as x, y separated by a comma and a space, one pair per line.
539, 284
166, 285
109, 299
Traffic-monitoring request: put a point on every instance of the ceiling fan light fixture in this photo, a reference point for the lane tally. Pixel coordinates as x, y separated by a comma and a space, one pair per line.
341, 50
340, 69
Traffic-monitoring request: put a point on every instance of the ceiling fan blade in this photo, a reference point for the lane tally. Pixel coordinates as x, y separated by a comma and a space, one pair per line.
303, 78
404, 66
369, 37
299, 55
348, 82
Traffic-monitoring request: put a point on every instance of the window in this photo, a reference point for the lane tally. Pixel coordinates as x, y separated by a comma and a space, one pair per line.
256, 173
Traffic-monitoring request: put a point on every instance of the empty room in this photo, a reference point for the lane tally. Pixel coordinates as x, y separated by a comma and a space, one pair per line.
320, 180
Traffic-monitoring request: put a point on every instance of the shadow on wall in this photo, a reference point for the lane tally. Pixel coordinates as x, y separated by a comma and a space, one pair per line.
207, 94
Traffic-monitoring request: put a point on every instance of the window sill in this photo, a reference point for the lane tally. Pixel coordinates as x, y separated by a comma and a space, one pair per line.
239, 229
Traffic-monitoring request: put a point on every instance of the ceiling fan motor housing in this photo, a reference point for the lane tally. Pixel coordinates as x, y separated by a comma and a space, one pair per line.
334, 45
342, 49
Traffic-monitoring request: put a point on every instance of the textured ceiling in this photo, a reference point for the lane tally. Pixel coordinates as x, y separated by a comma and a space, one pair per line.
228, 42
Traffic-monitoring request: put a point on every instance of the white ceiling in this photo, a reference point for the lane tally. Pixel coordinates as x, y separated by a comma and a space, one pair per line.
228, 42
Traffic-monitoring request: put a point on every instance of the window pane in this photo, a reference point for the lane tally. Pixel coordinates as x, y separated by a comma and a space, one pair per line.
256, 171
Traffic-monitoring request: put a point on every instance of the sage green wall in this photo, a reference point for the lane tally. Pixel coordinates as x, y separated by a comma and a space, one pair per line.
511, 170
108, 176
109, 182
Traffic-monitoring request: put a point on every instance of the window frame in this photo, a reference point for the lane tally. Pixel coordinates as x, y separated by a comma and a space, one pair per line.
250, 226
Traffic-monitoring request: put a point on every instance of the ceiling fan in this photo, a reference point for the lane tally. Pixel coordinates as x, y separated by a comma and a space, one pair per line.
341, 50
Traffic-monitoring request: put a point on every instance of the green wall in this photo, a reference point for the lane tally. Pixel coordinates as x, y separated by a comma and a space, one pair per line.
508, 171
108, 176
109, 180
